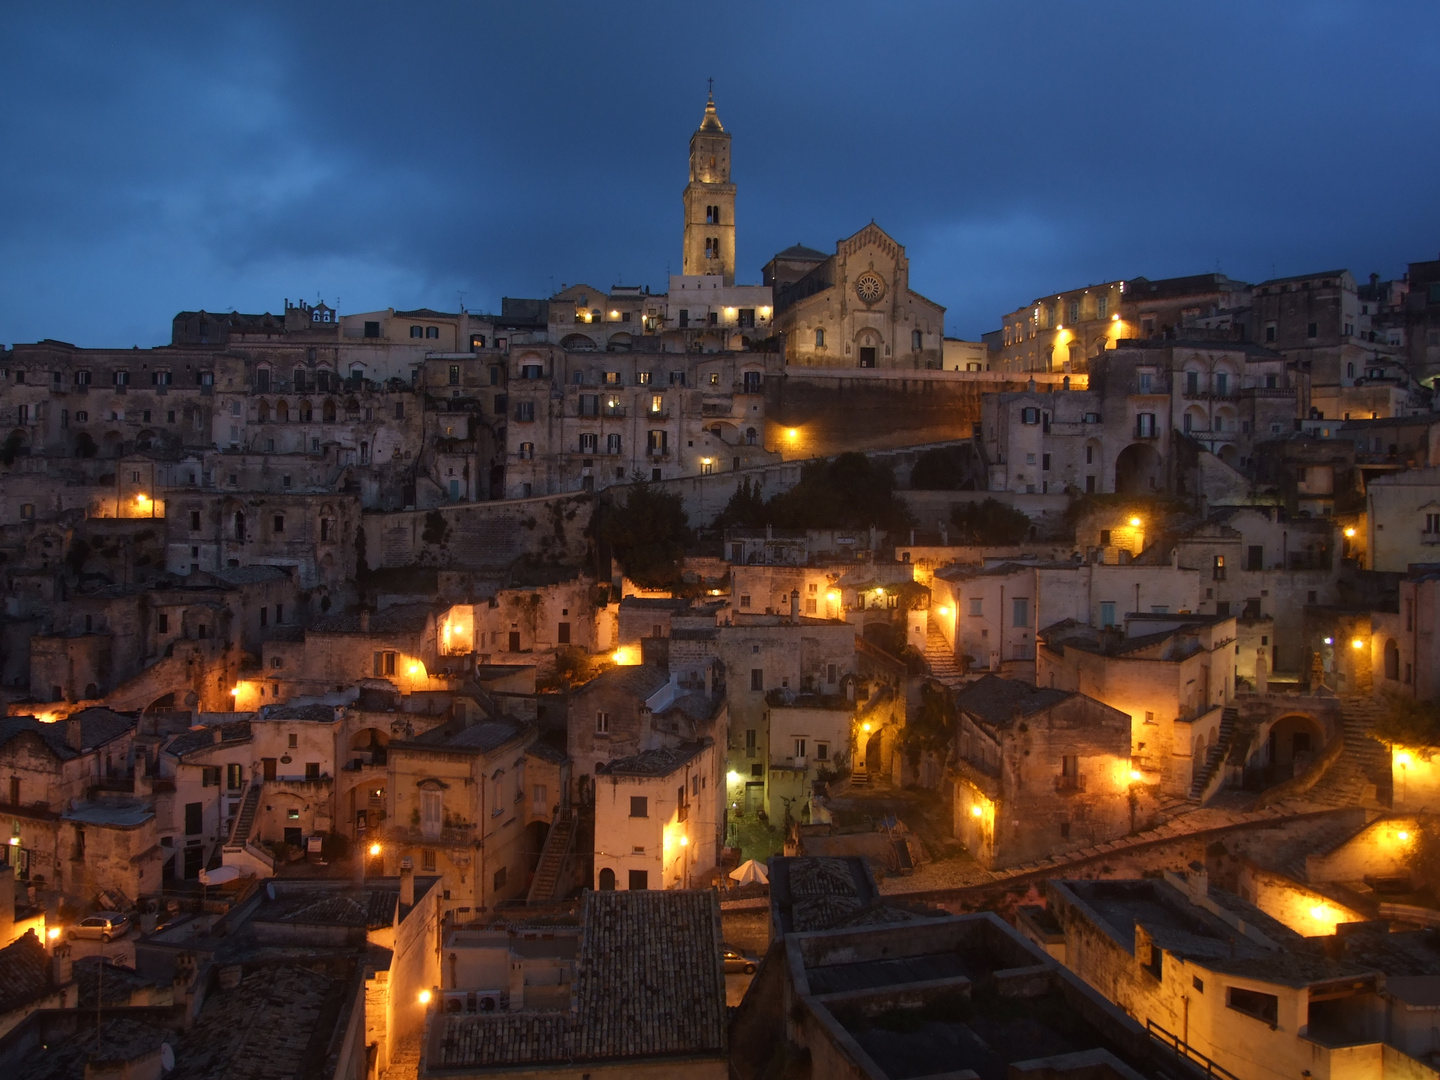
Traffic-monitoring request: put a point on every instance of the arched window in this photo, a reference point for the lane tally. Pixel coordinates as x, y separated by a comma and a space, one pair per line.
262, 411
364, 453
750, 436
327, 411
282, 411
607, 880
819, 339
916, 340
305, 412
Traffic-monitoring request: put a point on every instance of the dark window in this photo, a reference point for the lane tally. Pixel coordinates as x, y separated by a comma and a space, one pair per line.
639, 806
399, 410
757, 678
867, 356
498, 879
1255, 557
562, 633
1313, 330
639, 879
372, 329
162, 623
312, 770
194, 818
1264, 1007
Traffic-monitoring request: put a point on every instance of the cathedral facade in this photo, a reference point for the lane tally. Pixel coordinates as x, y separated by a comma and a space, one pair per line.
855, 309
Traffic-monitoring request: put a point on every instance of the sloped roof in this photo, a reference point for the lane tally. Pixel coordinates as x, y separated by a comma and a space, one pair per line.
800, 251
661, 761
97, 727
24, 972
995, 700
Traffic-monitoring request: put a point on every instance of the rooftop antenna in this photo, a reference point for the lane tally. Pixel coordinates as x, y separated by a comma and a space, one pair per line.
711, 81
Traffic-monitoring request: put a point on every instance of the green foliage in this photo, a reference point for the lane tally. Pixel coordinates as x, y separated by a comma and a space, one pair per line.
647, 535
846, 492
939, 469
988, 522
436, 528
745, 510
933, 729
1409, 722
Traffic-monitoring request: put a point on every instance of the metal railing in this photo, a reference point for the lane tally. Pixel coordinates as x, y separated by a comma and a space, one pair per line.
1185, 1050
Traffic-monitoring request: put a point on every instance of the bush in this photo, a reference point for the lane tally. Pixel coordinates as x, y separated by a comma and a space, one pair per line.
939, 469
647, 534
988, 522
1409, 723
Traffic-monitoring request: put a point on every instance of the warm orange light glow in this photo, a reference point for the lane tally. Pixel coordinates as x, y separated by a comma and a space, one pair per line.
1350, 531
1402, 758
975, 811
1134, 774
374, 850
1402, 835
1134, 522
53, 933
944, 611
832, 596
792, 434
1114, 318
424, 997
414, 669
865, 726
1357, 643
235, 692
626, 656
684, 841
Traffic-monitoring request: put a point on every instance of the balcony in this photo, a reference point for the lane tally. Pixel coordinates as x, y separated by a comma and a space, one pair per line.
1068, 785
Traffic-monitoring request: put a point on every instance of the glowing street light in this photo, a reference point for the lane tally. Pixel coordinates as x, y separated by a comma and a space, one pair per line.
425, 997
1134, 522
975, 811
1350, 531
1357, 643
374, 850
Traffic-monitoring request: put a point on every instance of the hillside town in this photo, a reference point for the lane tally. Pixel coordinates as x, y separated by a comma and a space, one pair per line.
746, 680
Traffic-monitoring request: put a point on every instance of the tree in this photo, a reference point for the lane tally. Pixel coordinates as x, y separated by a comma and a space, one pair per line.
988, 522
846, 492
1408, 722
941, 468
933, 729
647, 534
745, 510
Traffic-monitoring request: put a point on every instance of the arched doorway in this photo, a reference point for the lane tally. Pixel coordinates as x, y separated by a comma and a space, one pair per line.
1138, 470
607, 880
874, 755
1293, 743
577, 343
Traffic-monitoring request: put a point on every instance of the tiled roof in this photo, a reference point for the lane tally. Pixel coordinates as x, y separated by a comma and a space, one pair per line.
267, 1028
994, 699
373, 908
546, 752
658, 762
648, 984
24, 972
188, 742
800, 251
484, 736
399, 619
97, 727
654, 603
313, 714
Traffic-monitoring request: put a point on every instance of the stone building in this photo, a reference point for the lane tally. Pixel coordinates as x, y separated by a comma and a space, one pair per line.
1171, 674
459, 805
1402, 518
1039, 771
855, 309
1121, 434
647, 1000
993, 616
1220, 980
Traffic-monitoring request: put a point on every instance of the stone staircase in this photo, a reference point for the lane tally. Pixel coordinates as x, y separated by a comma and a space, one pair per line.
1360, 776
553, 859
1217, 754
244, 817
941, 658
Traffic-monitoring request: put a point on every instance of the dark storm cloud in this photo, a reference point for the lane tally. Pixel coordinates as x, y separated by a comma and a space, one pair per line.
166, 157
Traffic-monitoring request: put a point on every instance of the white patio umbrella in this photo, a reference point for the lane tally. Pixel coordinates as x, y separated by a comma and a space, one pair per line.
749, 872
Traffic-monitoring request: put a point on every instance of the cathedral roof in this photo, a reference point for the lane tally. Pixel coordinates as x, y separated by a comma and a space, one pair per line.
712, 120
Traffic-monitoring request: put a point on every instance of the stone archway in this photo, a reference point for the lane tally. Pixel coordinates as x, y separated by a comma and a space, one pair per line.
1139, 470
1293, 742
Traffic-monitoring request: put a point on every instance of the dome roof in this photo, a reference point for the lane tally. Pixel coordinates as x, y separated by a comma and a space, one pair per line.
712, 120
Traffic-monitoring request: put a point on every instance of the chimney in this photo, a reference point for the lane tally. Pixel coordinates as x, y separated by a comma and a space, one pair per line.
407, 882
364, 620
62, 965
794, 605
217, 735
769, 532
73, 737
1197, 882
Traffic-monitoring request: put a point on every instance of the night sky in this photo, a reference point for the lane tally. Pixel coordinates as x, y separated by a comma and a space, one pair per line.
161, 157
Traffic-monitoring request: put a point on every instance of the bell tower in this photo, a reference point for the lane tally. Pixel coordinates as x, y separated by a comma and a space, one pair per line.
710, 201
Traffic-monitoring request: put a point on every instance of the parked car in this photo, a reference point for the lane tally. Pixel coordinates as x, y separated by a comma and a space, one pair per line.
106, 926
735, 961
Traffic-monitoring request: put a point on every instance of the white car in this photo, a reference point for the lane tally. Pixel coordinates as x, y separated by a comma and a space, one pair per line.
106, 926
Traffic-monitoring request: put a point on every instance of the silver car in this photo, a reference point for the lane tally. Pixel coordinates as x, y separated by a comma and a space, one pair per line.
737, 962
106, 926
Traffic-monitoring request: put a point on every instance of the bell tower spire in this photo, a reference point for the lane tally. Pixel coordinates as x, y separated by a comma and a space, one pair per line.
709, 246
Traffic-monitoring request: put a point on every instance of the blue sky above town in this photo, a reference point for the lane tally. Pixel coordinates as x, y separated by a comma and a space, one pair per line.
163, 157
